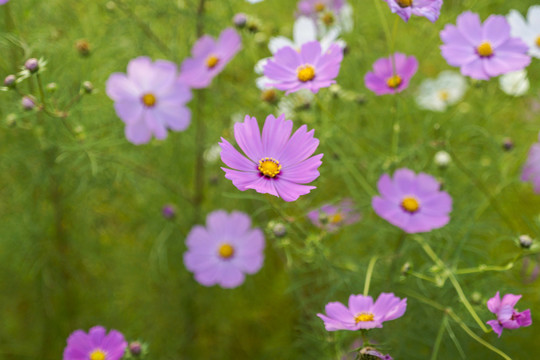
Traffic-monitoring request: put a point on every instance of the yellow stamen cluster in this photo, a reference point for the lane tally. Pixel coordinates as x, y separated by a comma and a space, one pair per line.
306, 73
538, 41
269, 95
269, 167
98, 355
444, 95
394, 81
410, 204
484, 49
328, 19
361, 317
149, 100
212, 61
319, 7
404, 3
336, 218
226, 251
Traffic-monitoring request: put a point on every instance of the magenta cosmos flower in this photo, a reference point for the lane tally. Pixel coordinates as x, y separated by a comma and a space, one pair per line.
277, 163
362, 312
209, 58
150, 99
430, 9
531, 170
392, 74
96, 345
507, 315
226, 249
332, 217
310, 68
483, 50
412, 202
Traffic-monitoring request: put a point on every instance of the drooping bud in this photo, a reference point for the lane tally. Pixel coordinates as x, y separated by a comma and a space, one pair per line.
10, 80
32, 65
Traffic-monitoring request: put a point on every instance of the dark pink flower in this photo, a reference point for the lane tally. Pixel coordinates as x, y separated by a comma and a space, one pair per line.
96, 345
507, 316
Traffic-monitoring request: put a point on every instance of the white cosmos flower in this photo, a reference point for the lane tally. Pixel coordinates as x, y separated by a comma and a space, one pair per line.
514, 83
304, 31
527, 30
340, 22
447, 89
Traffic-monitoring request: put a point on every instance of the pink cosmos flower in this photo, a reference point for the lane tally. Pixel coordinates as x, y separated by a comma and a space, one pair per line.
430, 9
412, 202
531, 170
507, 315
391, 75
2, 2
96, 345
483, 50
209, 58
332, 217
277, 163
313, 8
150, 99
310, 68
362, 313
226, 249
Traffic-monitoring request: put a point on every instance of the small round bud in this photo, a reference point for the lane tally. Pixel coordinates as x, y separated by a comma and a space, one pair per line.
240, 20
135, 348
442, 159
476, 298
32, 65
9, 81
406, 268
269, 95
260, 38
279, 229
335, 89
11, 120
88, 87
168, 211
28, 102
83, 47
51, 87
507, 144
525, 241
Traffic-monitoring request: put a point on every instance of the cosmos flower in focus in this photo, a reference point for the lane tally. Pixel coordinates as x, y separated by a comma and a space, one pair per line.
362, 313
507, 316
430, 9
391, 75
310, 68
515, 83
412, 202
531, 169
209, 58
483, 50
332, 217
437, 94
96, 345
225, 250
278, 163
150, 99
527, 30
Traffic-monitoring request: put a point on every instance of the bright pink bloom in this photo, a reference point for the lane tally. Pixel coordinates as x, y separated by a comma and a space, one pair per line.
484, 50
507, 316
278, 163
97, 344
392, 74
209, 58
430, 9
362, 313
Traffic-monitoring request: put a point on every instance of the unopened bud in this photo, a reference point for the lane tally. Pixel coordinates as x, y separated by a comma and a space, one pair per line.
88, 87
240, 20
442, 159
83, 47
525, 241
279, 229
28, 102
9, 81
168, 211
51, 87
406, 268
11, 120
476, 298
135, 348
32, 65
507, 144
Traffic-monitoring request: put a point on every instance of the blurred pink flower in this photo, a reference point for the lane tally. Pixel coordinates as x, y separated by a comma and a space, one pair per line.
332, 217
430, 9
392, 74
531, 169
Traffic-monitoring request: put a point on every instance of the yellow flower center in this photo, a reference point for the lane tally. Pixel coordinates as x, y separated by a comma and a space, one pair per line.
538, 41
394, 81
149, 100
306, 73
97, 355
404, 3
226, 251
410, 204
444, 95
319, 7
484, 49
361, 317
336, 218
328, 19
212, 61
269, 167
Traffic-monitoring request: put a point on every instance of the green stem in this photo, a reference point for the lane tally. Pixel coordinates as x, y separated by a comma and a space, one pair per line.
369, 273
41, 92
10, 27
438, 340
484, 268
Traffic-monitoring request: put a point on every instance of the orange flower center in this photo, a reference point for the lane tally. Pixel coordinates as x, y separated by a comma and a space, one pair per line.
362, 317
98, 355
394, 81
328, 18
306, 73
212, 61
410, 204
226, 251
484, 49
269, 167
336, 218
319, 7
149, 100
404, 3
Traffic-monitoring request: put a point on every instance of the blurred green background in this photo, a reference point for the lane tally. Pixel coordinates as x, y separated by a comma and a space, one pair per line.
83, 241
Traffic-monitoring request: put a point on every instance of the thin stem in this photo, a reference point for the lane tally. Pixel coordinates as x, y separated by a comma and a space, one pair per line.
484, 268
438, 340
369, 273
41, 92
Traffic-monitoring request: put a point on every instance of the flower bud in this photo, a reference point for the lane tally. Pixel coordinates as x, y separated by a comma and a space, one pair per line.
240, 20
11, 120
88, 87
406, 268
32, 65
51, 87
507, 144
135, 348
279, 229
442, 159
525, 241
10, 80
83, 47
28, 102
168, 211
476, 298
